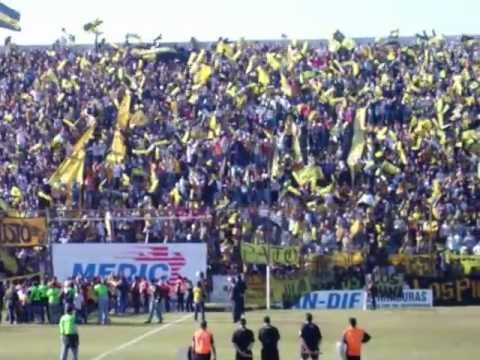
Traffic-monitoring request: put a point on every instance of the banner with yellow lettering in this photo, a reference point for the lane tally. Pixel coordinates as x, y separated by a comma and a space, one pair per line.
324, 264
347, 259
451, 292
415, 265
284, 290
23, 231
258, 254
470, 263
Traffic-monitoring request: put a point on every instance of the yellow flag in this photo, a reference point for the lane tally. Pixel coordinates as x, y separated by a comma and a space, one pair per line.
471, 140
71, 169
192, 58
84, 63
401, 153
285, 86
308, 175
389, 168
119, 149
334, 45
251, 63
138, 119
358, 141
263, 77
214, 128
175, 196
202, 75
226, 49
124, 112
153, 180
273, 61
328, 189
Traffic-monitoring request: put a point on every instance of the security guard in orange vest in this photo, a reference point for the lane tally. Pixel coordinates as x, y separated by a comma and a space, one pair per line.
203, 346
354, 337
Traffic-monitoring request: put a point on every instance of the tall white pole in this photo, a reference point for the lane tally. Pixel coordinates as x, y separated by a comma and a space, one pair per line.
268, 287
269, 257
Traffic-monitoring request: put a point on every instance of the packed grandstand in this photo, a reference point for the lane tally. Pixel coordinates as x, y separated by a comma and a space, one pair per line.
339, 156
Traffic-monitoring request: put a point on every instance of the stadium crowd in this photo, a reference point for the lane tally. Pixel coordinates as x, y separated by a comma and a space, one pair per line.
332, 147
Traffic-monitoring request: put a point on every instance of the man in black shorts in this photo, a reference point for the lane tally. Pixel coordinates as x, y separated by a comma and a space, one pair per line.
310, 338
243, 340
269, 337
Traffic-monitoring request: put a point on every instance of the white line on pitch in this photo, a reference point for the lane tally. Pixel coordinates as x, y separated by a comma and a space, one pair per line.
140, 338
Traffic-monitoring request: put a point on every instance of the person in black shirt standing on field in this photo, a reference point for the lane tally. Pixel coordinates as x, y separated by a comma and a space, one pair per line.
243, 340
238, 298
372, 291
310, 338
269, 337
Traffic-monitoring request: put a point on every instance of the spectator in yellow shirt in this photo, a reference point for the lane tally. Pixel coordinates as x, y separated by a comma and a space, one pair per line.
199, 300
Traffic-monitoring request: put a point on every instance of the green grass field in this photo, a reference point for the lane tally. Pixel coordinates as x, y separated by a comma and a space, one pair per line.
440, 334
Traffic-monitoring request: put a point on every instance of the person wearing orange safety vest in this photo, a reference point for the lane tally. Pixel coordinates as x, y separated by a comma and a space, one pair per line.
354, 337
203, 347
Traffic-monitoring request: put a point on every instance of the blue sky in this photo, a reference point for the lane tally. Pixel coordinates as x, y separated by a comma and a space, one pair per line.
178, 20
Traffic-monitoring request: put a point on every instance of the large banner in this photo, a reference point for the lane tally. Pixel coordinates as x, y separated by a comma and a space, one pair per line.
355, 299
325, 263
390, 286
470, 263
284, 291
420, 298
332, 300
145, 260
415, 265
258, 254
456, 292
347, 259
23, 231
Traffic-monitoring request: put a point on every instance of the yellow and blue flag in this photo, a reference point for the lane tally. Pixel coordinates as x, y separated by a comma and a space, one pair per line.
9, 18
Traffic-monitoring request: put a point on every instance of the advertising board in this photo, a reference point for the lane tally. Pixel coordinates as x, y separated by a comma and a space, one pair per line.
332, 300
151, 261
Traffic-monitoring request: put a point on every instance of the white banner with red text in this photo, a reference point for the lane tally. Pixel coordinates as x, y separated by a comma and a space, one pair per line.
150, 261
